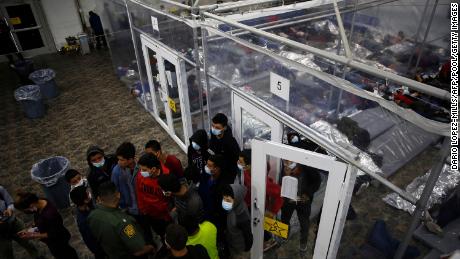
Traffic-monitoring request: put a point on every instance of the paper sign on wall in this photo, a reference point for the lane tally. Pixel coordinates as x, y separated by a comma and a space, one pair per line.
276, 227
15, 20
279, 86
155, 23
172, 104
289, 187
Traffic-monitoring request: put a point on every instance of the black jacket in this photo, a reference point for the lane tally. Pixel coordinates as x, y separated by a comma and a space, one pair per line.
197, 159
96, 176
229, 148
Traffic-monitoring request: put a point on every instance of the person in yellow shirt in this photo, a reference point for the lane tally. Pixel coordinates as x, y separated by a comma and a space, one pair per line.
204, 234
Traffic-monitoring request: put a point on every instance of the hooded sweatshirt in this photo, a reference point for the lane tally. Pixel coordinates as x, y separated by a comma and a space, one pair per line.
96, 176
197, 159
238, 234
229, 148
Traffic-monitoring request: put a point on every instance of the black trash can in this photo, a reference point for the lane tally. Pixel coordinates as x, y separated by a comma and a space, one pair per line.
23, 69
50, 174
30, 98
45, 79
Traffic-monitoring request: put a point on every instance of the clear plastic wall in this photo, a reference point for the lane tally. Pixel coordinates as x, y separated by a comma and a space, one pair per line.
316, 99
118, 34
173, 32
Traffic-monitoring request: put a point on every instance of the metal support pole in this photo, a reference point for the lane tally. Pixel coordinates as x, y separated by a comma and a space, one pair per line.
342, 31
136, 54
423, 88
204, 34
419, 28
422, 202
197, 65
426, 34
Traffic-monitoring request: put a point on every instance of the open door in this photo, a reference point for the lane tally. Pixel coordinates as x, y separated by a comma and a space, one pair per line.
298, 178
168, 88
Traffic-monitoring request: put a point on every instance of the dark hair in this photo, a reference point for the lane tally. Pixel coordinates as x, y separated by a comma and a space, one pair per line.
190, 223
176, 236
126, 150
220, 118
78, 195
71, 173
169, 183
218, 161
246, 155
24, 200
228, 191
149, 161
153, 144
107, 190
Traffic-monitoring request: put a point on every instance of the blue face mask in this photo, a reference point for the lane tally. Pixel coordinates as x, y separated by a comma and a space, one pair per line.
227, 205
195, 146
145, 174
215, 131
100, 164
207, 170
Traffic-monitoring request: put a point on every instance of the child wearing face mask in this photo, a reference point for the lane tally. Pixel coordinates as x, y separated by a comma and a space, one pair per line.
100, 166
152, 202
75, 179
238, 232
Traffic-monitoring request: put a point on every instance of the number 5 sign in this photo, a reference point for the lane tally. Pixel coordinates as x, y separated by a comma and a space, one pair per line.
279, 86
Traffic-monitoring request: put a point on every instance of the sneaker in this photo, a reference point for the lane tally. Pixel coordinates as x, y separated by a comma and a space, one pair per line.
303, 246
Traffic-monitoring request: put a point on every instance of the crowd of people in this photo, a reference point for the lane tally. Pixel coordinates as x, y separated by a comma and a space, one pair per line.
130, 206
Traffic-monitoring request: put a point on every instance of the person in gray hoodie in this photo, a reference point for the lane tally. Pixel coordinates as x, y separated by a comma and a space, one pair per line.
238, 233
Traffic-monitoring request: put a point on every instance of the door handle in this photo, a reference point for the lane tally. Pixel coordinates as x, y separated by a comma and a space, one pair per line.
255, 220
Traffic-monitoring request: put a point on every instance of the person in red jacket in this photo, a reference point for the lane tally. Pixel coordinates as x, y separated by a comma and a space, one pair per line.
168, 162
152, 202
273, 199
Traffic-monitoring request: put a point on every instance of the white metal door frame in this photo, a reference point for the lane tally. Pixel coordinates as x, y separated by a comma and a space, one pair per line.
42, 26
336, 201
238, 105
164, 54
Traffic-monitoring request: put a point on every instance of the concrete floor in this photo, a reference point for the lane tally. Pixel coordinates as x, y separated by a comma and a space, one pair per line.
94, 107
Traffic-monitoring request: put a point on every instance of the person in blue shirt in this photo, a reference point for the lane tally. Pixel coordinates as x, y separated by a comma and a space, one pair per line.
81, 197
124, 176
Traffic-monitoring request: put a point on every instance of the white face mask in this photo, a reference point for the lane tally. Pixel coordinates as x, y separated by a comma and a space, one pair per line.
99, 164
82, 182
145, 174
292, 166
195, 146
207, 170
294, 139
241, 167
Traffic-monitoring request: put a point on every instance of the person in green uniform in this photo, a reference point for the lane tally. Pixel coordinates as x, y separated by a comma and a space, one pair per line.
117, 233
